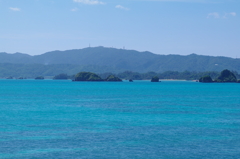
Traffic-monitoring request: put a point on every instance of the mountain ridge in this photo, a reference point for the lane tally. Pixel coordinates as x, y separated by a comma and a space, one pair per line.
116, 60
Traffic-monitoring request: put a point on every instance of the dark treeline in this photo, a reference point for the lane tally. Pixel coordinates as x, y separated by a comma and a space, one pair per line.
186, 75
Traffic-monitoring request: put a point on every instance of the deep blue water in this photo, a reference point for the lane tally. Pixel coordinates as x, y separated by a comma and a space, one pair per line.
64, 119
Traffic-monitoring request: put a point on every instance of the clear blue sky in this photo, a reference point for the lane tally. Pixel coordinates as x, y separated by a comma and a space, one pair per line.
205, 27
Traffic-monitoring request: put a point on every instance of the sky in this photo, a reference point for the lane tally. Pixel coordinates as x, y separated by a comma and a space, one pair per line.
203, 27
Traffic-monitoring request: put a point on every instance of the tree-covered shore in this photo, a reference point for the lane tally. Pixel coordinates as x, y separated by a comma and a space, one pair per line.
172, 75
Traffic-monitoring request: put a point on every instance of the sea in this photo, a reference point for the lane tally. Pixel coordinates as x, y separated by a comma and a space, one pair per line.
61, 119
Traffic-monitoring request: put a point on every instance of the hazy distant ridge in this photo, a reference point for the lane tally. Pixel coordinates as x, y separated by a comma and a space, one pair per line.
117, 60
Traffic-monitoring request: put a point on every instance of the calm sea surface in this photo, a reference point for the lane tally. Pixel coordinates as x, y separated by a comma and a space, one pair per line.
62, 119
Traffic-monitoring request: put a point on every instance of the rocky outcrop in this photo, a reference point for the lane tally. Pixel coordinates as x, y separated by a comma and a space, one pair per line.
113, 78
155, 79
87, 76
206, 79
39, 78
226, 76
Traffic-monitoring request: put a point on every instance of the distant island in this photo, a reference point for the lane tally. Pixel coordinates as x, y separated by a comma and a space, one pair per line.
39, 78
206, 79
226, 76
61, 76
155, 79
10, 77
113, 78
89, 76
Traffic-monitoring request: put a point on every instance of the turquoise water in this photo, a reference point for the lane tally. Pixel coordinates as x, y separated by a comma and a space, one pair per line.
64, 119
